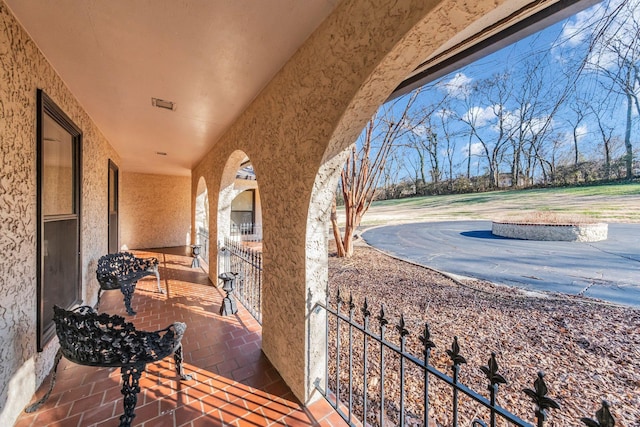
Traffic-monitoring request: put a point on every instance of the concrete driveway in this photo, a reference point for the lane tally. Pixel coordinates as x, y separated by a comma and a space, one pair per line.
607, 270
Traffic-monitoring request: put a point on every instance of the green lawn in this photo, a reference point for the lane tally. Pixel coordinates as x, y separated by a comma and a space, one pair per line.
610, 203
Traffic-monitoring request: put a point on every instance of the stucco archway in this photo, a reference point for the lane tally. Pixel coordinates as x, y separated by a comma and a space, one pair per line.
418, 42
232, 185
295, 131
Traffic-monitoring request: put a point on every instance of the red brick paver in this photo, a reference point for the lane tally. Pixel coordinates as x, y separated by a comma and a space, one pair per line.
233, 382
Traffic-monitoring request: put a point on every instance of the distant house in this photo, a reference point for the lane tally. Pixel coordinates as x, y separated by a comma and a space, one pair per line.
505, 180
246, 208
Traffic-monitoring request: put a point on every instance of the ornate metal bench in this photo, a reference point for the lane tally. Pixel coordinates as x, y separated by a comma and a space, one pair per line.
122, 271
92, 339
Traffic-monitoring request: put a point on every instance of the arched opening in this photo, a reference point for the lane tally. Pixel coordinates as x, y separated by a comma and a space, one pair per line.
295, 131
316, 258
246, 208
239, 206
202, 219
240, 232
378, 85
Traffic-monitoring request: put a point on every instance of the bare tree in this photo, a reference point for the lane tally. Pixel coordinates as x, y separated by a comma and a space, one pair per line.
365, 166
421, 141
450, 137
579, 108
614, 53
606, 133
391, 174
419, 166
488, 125
426, 144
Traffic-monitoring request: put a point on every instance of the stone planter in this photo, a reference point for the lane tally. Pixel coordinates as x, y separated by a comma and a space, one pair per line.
553, 232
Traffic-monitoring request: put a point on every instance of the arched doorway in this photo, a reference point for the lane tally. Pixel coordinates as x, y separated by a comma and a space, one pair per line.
240, 231
239, 202
202, 219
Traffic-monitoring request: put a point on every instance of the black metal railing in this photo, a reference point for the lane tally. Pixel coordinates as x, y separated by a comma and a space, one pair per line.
238, 258
202, 239
391, 386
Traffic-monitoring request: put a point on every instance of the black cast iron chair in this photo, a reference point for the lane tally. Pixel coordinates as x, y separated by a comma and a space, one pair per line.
92, 339
122, 271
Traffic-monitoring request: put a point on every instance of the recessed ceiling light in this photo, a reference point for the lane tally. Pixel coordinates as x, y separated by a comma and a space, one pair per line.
161, 103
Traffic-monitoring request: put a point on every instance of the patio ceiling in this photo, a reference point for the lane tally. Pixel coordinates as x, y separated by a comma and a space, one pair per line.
211, 58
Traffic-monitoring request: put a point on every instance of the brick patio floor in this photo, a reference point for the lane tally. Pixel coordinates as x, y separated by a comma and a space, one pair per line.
233, 382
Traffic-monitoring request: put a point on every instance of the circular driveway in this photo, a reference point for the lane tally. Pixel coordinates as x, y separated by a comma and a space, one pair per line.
608, 270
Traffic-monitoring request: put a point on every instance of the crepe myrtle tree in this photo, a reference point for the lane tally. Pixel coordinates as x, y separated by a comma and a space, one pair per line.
365, 167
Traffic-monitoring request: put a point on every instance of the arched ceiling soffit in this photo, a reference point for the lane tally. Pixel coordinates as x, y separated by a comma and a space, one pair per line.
231, 168
202, 186
421, 32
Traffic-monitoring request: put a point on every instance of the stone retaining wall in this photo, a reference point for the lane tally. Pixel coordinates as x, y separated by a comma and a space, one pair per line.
555, 232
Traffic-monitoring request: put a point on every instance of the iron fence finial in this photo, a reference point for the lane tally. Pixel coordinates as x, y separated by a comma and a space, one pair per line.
603, 417
539, 397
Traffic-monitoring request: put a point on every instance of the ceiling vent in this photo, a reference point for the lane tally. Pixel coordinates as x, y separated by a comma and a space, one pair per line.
161, 103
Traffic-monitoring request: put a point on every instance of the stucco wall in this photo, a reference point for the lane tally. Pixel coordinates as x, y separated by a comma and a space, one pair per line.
309, 113
22, 71
155, 210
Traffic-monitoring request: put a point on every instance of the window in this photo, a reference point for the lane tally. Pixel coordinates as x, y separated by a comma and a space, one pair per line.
242, 213
58, 209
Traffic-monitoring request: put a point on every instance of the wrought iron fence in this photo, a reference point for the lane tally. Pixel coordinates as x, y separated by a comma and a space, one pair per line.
247, 231
393, 387
238, 258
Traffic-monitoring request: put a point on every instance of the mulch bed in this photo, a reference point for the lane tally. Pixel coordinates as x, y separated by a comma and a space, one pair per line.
588, 350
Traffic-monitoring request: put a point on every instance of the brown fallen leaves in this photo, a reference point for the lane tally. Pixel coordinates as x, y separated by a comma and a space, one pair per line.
589, 351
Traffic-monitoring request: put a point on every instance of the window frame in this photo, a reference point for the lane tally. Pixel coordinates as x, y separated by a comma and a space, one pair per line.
46, 106
252, 191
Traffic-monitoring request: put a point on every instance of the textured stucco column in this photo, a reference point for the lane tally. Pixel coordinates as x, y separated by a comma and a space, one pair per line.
306, 116
317, 248
200, 185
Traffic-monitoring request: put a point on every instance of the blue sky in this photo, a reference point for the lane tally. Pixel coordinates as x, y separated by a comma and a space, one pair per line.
552, 53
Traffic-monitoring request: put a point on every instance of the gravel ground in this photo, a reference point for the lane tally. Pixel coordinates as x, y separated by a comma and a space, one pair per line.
589, 351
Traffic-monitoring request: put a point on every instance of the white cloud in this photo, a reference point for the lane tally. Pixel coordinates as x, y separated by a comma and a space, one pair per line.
582, 131
479, 116
444, 152
620, 31
565, 139
576, 30
458, 86
419, 130
512, 122
537, 124
475, 149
